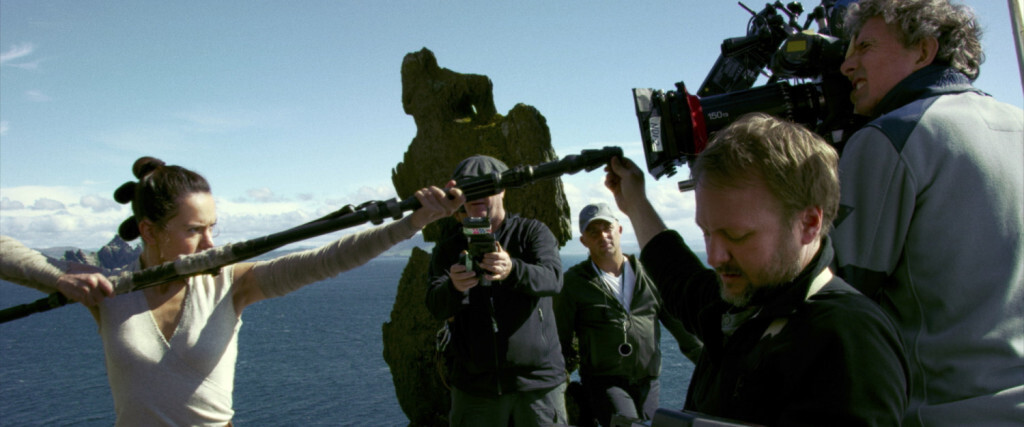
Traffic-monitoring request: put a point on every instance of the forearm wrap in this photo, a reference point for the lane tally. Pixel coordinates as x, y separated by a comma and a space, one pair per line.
27, 267
282, 275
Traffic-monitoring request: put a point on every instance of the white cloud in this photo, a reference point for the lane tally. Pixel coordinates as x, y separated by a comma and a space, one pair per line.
16, 51
210, 121
59, 216
263, 195
49, 230
216, 119
244, 206
242, 219
99, 204
45, 204
29, 193
9, 57
8, 204
44, 217
37, 96
3, 127
366, 193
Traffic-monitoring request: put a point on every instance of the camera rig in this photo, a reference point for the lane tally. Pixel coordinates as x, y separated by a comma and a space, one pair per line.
804, 86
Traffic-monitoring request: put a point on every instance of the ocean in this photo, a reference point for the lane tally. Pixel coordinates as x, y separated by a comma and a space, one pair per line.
313, 357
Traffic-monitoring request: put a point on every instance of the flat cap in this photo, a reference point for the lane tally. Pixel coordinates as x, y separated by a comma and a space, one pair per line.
476, 166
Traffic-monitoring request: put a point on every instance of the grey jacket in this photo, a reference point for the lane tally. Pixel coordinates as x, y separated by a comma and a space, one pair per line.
932, 209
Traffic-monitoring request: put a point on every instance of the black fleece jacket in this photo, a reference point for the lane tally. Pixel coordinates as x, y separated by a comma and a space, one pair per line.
836, 360
504, 336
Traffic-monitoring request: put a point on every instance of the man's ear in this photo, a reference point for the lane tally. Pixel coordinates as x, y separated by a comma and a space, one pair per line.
927, 49
810, 221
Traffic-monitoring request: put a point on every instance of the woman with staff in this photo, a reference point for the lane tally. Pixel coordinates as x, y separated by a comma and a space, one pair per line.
171, 349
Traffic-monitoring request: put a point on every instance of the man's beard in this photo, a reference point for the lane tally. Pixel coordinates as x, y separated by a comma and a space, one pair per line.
783, 268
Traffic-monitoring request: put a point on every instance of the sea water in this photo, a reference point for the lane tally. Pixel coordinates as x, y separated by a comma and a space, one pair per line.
313, 357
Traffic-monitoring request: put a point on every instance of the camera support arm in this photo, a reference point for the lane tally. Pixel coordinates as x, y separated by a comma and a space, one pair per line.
210, 261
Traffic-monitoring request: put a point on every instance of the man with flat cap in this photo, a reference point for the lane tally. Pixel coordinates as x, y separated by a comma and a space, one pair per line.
506, 361
612, 307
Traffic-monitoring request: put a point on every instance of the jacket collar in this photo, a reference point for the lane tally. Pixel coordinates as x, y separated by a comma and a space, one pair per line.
785, 298
779, 301
590, 273
932, 80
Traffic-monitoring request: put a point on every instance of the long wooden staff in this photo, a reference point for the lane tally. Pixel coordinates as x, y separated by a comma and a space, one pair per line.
210, 261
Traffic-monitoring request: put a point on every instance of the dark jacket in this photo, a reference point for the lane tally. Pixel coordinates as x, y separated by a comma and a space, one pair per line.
504, 338
587, 309
831, 359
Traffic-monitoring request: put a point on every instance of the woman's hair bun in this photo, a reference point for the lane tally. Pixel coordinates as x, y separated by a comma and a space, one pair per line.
125, 193
129, 229
145, 165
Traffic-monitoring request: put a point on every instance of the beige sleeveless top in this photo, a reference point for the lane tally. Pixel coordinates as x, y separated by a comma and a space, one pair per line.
187, 380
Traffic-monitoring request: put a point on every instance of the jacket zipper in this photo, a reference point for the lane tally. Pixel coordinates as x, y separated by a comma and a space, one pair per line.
494, 345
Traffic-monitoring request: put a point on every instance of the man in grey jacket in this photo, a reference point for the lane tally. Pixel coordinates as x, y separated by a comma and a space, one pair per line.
931, 222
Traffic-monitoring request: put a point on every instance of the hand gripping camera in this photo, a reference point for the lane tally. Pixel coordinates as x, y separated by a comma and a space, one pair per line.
480, 241
675, 125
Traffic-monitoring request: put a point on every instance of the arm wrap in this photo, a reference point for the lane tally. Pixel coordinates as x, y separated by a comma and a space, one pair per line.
27, 267
282, 275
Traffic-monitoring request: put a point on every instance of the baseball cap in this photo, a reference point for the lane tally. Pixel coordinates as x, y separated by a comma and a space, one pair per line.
596, 211
477, 165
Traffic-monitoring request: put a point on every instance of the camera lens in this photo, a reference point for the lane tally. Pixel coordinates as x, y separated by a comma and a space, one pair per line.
625, 349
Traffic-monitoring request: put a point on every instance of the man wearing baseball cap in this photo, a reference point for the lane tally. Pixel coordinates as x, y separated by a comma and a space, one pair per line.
506, 361
611, 306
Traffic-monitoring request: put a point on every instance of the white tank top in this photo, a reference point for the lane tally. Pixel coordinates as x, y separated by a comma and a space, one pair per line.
185, 381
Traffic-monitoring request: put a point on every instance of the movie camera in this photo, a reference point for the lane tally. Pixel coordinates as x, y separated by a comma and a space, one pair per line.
480, 241
804, 85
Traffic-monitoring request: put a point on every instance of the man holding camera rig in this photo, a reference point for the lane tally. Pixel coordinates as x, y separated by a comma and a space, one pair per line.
932, 208
785, 342
610, 304
507, 362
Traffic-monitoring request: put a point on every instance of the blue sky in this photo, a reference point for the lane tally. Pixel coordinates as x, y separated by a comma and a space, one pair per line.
293, 109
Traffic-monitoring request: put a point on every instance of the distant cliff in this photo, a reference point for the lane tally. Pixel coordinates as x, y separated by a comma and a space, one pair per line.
115, 254
118, 253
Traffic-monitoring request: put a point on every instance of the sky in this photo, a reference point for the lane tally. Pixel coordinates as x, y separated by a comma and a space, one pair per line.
293, 109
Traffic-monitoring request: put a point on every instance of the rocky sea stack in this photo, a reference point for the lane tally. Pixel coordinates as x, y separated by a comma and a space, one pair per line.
455, 118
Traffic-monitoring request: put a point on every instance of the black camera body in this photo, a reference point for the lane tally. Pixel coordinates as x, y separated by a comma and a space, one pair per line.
480, 241
675, 126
